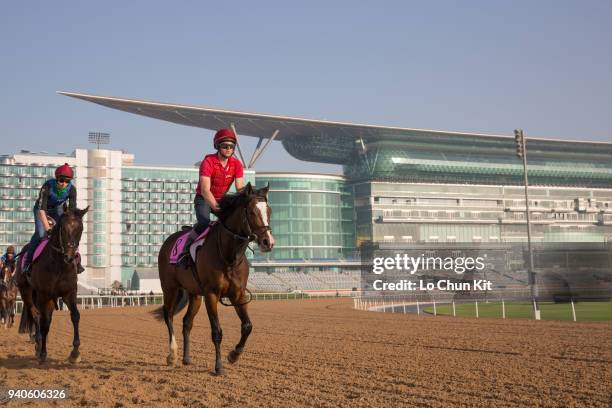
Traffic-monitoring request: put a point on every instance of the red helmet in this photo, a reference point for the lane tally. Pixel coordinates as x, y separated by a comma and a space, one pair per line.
64, 170
223, 135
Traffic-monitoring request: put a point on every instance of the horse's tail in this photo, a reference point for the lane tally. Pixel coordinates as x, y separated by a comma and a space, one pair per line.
180, 304
26, 324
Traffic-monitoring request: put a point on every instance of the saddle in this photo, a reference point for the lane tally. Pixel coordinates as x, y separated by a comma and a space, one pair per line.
41, 246
39, 249
179, 245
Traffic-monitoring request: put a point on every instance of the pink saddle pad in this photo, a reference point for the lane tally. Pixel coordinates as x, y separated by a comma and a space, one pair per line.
41, 247
181, 241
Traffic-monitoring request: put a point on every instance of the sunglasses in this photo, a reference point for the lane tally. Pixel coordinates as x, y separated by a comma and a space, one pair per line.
227, 145
63, 180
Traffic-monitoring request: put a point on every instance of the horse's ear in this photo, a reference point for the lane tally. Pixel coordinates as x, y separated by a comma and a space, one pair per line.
263, 192
81, 213
248, 188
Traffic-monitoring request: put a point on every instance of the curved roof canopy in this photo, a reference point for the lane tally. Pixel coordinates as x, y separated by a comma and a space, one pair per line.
264, 125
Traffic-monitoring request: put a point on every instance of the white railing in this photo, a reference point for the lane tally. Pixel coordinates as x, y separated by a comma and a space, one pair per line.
101, 301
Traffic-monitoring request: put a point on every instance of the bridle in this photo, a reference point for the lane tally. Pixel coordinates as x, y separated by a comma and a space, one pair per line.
252, 232
69, 245
252, 235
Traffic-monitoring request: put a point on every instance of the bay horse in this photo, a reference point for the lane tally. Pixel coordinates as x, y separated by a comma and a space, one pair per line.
8, 297
221, 270
53, 275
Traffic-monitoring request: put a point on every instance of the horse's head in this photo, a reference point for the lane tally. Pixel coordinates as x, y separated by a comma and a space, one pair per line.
258, 214
250, 211
7, 272
70, 230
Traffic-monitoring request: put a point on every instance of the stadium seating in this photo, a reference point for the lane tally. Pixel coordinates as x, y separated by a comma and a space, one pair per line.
289, 281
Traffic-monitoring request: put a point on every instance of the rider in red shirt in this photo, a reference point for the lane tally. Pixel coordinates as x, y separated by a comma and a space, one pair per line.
217, 173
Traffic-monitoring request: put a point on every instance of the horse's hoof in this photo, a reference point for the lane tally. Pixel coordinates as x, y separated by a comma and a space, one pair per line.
219, 372
170, 360
42, 359
74, 359
186, 361
233, 356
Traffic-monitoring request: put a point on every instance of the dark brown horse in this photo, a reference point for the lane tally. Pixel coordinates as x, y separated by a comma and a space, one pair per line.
221, 270
8, 297
53, 275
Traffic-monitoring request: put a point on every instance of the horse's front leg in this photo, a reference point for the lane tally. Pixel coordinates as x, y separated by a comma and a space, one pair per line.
211, 300
3, 320
75, 317
46, 312
245, 329
12, 315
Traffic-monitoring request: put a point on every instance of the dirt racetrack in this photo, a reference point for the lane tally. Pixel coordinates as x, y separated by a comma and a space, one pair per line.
320, 353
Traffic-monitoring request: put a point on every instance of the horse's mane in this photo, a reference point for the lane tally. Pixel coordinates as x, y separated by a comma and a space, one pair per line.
231, 202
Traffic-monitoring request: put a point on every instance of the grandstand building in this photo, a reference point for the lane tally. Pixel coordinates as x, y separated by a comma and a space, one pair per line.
401, 187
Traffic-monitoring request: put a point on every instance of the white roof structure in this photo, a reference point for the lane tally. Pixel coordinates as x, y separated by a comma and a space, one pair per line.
264, 125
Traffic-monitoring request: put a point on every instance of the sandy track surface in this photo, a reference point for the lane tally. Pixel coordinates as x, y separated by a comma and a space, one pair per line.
320, 353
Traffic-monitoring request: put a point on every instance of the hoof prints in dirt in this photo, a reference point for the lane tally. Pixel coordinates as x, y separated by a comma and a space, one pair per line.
321, 353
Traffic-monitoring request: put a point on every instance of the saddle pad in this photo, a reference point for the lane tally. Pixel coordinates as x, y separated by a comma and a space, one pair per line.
41, 247
178, 247
181, 241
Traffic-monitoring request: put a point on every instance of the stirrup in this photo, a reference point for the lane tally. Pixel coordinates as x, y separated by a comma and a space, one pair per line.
183, 259
27, 271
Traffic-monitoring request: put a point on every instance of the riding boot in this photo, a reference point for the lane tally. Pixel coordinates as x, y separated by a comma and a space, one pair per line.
184, 257
29, 258
77, 261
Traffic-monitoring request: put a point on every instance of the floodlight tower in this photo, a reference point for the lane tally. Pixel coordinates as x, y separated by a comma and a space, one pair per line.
99, 138
521, 152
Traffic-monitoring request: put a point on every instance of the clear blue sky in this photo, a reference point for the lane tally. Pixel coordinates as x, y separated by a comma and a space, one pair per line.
476, 66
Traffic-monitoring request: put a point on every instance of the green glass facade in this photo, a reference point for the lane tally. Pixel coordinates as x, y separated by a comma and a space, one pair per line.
481, 163
312, 216
459, 158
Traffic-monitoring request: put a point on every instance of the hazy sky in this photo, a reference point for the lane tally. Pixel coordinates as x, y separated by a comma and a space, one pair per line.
476, 66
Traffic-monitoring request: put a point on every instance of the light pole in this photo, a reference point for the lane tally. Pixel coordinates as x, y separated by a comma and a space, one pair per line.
99, 138
521, 152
